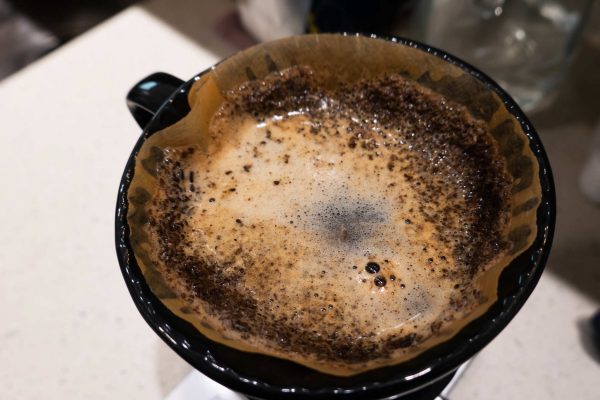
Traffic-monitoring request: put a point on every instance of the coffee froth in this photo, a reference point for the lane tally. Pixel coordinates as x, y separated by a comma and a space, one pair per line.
335, 228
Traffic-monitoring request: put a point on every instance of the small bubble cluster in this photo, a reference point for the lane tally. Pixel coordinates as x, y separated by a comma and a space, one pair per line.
347, 220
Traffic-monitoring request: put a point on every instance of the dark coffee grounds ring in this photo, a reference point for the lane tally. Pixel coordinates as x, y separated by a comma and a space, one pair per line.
267, 377
339, 344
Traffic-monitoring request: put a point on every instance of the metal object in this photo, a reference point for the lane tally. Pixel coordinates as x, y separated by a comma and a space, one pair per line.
445, 395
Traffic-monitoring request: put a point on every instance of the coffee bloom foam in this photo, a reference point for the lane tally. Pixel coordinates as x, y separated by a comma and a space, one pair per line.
341, 229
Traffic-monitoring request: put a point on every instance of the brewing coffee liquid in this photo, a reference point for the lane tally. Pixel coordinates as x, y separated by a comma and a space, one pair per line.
344, 227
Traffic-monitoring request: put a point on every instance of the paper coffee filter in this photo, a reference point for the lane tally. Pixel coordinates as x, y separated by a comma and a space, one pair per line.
339, 59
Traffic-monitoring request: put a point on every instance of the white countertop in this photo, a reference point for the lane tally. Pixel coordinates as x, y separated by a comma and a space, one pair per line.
69, 328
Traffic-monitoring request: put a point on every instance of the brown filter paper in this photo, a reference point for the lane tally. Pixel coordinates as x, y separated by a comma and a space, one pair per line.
339, 59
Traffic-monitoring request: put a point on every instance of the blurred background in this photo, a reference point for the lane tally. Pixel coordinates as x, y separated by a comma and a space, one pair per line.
30, 29
78, 58
526, 45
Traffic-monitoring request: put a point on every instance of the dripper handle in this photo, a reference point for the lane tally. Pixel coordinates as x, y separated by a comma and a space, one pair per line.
146, 98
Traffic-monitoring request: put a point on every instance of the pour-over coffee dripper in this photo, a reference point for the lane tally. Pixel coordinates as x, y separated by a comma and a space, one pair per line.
161, 100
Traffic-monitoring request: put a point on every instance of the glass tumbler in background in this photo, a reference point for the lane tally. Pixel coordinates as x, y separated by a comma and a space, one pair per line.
525, 45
